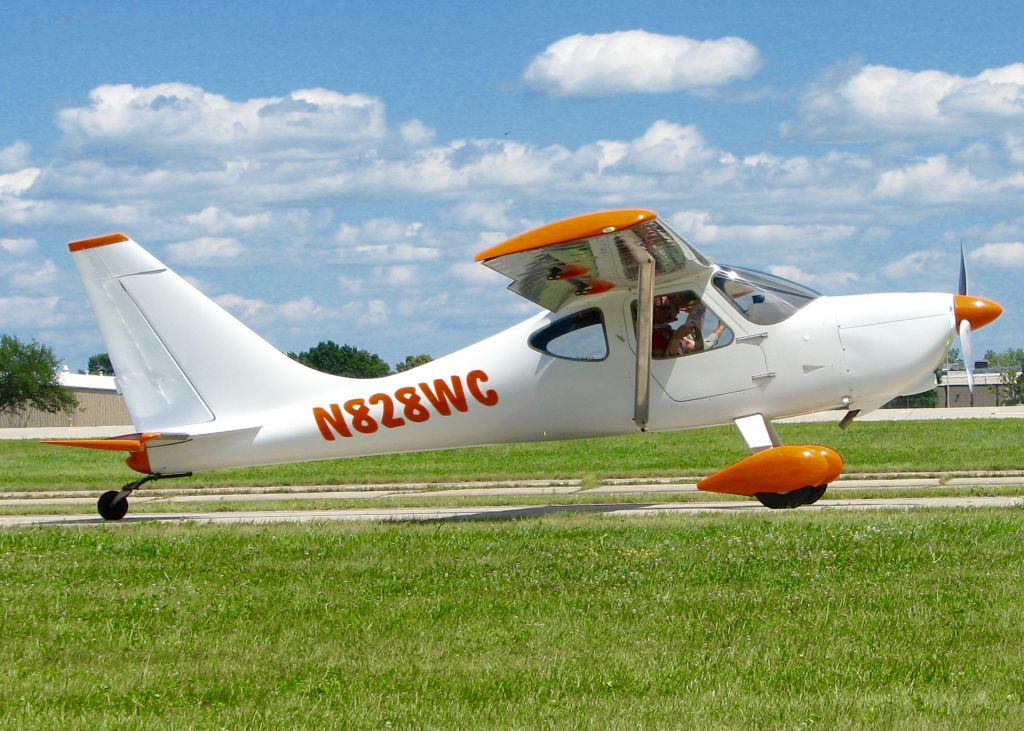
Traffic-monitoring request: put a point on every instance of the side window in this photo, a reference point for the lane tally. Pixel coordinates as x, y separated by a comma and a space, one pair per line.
684, 325
580, 336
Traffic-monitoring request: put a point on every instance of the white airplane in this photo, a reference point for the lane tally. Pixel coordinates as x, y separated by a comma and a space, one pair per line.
640, 333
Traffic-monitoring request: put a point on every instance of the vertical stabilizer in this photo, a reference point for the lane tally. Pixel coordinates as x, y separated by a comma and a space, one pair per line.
180, 358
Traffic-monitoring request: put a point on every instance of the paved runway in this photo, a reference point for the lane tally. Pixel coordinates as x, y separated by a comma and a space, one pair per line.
500, 512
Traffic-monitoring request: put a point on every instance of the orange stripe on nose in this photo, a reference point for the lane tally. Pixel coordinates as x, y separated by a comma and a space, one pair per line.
978, 311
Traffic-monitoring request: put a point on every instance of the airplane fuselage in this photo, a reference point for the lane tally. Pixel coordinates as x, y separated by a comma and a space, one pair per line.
836, 352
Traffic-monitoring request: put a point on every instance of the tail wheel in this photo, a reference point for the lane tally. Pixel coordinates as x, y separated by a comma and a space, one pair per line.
792, 499
112, 505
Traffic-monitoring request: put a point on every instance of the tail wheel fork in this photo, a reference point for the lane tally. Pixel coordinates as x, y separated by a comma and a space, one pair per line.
113, 504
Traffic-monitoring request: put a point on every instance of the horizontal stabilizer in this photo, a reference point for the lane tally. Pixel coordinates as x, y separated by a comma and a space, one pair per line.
134, 444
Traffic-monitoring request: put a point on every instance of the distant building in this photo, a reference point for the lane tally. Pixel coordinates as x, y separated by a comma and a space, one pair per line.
953, 390
99, 404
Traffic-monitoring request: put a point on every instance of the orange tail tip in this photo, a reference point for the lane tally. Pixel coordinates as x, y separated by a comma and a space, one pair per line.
96, 241
779, 469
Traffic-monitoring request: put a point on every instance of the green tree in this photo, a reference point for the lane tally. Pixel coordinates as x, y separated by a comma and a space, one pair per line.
411, 361
343, 360
1009, 358
1010, 362
28, 379
954, 359
100, 365
1010, 389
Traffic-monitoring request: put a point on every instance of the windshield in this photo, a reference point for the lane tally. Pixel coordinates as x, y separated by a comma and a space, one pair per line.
764, 299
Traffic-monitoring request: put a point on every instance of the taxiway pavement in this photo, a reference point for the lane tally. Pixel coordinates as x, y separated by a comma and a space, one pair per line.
833, 501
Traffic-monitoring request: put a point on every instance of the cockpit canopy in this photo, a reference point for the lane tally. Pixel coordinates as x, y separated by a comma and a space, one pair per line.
763, 299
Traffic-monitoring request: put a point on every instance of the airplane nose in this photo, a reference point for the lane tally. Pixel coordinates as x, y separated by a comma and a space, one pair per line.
978, 311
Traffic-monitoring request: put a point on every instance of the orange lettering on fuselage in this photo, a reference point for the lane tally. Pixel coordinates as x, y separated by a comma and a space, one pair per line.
473, 380
442, 396
326, 421
403, 406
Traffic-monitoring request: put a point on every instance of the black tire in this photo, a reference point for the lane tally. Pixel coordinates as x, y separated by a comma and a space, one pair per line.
814, 494
109, 509
782, 500
792, 499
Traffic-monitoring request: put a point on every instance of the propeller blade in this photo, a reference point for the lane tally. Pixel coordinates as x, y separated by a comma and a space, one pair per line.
967, 349
962, 288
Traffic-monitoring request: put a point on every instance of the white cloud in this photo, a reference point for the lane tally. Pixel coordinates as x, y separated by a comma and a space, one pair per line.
489, 214
216, 220
18, 182
638, 61
182, 117
367, 313
30, 276
915, 262
1009, 254
880, 100
397, 276
15, 156
17, 246
414, 309
205, 251
393, 252
261, 312
821, 280
383, 240
933, 180
698, 227
472, 165
665, 147
1015, 146
376, 231
415, 133
30, 311
350, 285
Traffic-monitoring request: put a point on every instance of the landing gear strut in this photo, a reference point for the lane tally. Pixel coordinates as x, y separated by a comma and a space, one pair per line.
113, 504
792, 499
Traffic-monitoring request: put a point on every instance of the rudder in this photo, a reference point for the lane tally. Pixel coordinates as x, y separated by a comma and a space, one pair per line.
180, 358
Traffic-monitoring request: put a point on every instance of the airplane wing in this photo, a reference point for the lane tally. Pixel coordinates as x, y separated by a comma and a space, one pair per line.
591, 255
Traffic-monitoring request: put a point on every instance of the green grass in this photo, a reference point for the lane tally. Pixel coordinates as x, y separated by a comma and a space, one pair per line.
917, 446
802, 620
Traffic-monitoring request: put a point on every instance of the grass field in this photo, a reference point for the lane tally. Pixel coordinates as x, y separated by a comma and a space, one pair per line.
912, 446
805, 620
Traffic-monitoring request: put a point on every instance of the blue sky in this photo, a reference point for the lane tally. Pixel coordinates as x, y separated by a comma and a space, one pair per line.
327, 170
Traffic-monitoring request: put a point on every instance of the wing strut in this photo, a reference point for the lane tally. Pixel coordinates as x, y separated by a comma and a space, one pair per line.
644, 333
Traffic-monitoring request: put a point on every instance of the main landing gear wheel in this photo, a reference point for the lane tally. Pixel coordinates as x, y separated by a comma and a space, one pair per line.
112, 505
814, 494
792, 499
